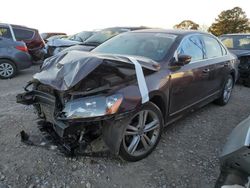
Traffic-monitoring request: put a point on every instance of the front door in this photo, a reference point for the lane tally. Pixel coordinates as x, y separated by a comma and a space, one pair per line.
189, 83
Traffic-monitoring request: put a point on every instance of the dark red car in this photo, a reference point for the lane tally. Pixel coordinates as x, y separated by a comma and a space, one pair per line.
128, 88
31, 37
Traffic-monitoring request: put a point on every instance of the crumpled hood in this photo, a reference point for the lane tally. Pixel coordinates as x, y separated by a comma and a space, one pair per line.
66, 69
240, 53
62, 43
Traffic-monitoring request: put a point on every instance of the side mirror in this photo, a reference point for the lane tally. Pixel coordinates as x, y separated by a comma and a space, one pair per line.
182, 60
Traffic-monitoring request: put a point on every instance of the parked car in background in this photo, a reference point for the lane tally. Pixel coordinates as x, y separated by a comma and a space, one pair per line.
58, 44
102, 36
239, 44
56, 37
31, 37
45, 36
131, 86
14, 56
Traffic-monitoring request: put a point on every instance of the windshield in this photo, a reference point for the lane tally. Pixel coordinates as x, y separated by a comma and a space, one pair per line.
103, 35
81, 37
239, 42
151, 45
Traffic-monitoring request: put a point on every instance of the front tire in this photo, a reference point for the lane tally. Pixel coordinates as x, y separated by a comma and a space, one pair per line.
142, 134
7, 69
227, 91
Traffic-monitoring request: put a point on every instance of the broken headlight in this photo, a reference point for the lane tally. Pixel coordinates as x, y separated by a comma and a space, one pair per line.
92, 106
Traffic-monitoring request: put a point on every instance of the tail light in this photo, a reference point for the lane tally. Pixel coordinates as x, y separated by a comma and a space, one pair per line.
22, 48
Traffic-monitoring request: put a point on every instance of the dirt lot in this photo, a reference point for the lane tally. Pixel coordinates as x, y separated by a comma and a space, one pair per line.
187, 155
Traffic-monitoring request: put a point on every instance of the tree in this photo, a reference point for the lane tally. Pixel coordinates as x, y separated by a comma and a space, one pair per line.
187, 24
230, 21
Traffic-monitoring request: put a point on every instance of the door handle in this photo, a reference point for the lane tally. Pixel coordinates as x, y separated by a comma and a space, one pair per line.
206, 70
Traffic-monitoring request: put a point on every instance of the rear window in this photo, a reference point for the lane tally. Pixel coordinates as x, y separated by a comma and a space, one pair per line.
5, 32
212, 46
23, 34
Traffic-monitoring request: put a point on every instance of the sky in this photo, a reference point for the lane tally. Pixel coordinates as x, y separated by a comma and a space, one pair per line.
72, 16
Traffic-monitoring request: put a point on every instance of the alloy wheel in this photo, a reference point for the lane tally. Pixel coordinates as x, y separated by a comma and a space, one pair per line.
142, 133
6, 70
228, 89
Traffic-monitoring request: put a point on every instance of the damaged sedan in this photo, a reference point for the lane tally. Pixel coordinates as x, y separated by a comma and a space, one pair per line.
128, 88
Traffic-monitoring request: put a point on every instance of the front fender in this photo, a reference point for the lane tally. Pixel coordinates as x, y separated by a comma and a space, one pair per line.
113, 131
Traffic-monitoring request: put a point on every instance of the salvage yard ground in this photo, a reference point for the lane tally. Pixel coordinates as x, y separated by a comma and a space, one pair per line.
187, 155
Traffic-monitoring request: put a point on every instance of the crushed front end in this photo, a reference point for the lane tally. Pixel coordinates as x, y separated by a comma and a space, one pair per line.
77, 120
83, 97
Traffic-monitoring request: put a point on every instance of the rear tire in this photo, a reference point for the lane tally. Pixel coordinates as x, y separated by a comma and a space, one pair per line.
226, 92
7, 69
142, 134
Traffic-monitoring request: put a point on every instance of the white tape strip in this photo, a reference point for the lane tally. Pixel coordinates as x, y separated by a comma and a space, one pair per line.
141, 80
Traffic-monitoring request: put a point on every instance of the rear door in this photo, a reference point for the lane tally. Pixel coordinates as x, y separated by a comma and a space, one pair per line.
219, 65
189, 83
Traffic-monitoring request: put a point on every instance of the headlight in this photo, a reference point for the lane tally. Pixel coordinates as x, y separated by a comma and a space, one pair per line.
92, 106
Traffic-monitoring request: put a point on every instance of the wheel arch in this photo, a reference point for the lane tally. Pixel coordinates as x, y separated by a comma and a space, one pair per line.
9, 59
233, 74
160, 101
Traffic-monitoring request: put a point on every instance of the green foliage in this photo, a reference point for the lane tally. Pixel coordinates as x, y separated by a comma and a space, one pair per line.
230, 21
187, 24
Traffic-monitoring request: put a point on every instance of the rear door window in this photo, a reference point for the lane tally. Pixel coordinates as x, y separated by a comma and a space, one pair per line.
23, 34
5, 32
193, 47
212, 47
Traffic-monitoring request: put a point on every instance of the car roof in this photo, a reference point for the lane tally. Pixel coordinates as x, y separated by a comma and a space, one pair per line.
235, 34
17, 26
179, 32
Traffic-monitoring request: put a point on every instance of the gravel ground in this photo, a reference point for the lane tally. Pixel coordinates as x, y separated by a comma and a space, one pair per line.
187, 155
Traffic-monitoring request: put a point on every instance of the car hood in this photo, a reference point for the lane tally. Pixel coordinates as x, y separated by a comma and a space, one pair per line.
240, 53
62, 43
66, 69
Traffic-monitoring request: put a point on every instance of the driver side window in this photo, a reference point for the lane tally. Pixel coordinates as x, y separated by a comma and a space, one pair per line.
192, 46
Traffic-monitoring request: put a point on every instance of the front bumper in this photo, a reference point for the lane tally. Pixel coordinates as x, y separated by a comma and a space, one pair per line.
47, 105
